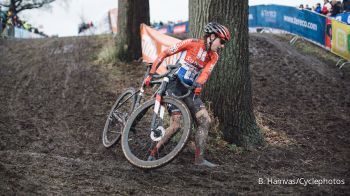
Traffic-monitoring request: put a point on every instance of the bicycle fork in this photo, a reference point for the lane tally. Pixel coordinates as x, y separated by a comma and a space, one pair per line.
157, 129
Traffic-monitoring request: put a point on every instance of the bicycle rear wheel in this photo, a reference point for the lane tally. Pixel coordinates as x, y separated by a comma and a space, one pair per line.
117, 117
138, 140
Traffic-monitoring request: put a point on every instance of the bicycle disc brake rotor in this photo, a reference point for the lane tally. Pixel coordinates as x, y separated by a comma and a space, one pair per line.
158, 134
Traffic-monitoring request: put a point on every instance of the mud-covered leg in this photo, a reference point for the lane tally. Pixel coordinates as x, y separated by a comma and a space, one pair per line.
204, 121
174, 126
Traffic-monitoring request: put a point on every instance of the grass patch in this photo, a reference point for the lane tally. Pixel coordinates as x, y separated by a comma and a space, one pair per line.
107, 54
271, 136
310, 48
234, 148
215, 139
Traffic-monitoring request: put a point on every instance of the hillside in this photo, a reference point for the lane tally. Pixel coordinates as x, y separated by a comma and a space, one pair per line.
55, 95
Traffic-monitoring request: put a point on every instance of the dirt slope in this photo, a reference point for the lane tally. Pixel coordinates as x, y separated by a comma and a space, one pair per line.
54, 98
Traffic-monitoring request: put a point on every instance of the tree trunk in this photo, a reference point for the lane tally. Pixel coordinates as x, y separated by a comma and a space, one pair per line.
131, 13
229, 87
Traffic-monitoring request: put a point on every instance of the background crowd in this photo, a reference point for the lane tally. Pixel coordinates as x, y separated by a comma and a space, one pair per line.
85, 26
9, 19
329, 8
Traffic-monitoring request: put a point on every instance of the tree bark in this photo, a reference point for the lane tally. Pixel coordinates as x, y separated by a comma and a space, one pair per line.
131, 13
229, 87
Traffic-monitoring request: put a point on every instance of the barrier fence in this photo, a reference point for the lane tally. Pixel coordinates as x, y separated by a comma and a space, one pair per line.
11, 31
153, 43
326, 32
113, 20
331, 33
177, 28
344, 17
22, 33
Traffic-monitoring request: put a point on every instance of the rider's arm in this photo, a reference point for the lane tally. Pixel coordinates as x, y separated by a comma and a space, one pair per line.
181, 46
203, 77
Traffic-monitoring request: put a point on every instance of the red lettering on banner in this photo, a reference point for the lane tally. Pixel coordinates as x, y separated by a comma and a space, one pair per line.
180, 29
163, 30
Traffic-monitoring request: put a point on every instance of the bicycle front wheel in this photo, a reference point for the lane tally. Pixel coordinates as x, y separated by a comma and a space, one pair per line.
138, 138
117, 117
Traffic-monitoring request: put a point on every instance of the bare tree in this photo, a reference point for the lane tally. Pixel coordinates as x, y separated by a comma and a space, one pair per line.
16, 6
131, 13
229, 88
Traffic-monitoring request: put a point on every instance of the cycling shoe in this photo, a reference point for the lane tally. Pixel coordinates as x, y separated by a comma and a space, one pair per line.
206, 163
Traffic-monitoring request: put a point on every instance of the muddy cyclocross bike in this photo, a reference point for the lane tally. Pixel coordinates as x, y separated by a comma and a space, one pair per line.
125, 104
146, 127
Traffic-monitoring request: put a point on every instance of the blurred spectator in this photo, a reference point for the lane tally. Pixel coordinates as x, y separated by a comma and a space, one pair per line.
16, 22
0, 11
307, 7
158, 25
346, 5
9, 18
84, 26
318, 8
336, 8
36, 30
27, 26
326, 8
301, 6
12, 20
3, 18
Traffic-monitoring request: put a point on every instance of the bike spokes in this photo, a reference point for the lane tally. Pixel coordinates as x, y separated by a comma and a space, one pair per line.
117, 118
144, 138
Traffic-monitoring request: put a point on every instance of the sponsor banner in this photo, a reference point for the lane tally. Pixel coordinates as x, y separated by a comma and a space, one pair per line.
113, 19
177, 28
153, 43
341, 39
180, 28
293, 20
252, 17
328, 30
344, 17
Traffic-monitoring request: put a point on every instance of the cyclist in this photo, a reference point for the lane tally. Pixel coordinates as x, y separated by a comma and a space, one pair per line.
196, 65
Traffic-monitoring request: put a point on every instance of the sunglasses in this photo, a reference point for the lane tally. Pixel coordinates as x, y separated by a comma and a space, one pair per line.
222, 42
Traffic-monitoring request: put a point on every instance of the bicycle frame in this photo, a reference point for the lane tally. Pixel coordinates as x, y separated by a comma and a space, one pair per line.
158, 107
139, 93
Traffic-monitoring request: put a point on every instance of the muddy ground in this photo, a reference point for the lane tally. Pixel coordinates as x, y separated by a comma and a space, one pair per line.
55, 95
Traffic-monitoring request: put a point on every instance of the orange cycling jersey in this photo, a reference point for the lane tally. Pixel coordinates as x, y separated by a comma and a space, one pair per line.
196, 59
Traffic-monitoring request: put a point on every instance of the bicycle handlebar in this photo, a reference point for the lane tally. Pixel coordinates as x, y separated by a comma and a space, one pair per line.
170, 71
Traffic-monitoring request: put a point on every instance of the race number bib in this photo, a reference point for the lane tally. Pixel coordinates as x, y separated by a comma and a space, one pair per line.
187, 73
